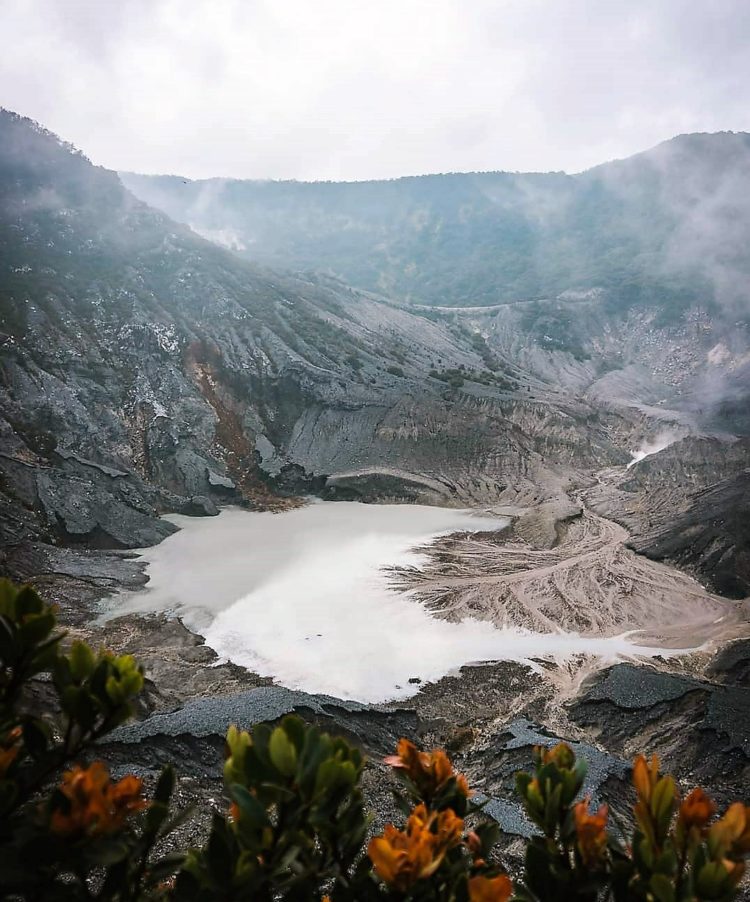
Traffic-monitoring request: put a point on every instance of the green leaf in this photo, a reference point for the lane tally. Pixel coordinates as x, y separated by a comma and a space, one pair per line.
712, 880
296, 729
37, 627
522, 782
218, 855
79, 706
165, 785
282, 752
8, 594
662, 888
28, 602
107, 852
252, 812
663, 797
9, 646
82, 661
166, 867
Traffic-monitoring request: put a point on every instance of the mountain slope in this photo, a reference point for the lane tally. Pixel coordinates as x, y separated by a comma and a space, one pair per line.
144, 369
671, 224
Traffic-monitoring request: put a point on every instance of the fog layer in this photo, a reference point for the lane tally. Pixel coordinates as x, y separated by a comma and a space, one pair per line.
302, 597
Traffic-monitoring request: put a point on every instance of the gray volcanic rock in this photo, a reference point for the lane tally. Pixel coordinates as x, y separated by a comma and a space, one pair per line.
712, 536
199, 506
213, 716
145, 370
688, 505
74, 579
699, 728
732, 664
79, 510
499, 758
382, 484
169, 373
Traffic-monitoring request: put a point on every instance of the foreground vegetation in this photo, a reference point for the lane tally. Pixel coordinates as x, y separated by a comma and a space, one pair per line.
295, 827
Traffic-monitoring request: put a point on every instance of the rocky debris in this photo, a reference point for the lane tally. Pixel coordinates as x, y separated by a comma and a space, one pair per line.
498, 757
74, 579
213, 716
71, 455
711, 537
687, 505
77, 503
638, 687
199, 506
179, 666
192, 739
219, 482
156, 382
178, 381
380, 484
79, 511
146, 371
699, 728
455, 709
588, 582
544, 525
732, 664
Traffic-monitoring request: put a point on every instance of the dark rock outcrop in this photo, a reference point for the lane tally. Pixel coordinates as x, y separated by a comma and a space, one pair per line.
700, 728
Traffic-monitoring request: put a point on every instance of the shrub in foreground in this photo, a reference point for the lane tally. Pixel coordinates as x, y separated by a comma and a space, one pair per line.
295, 827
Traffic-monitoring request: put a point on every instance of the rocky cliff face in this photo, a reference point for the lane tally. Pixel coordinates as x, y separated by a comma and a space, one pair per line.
687, 504
144, 370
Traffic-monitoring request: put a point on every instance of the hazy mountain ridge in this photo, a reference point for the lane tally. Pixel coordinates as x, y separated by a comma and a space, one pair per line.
144, 369
668, 226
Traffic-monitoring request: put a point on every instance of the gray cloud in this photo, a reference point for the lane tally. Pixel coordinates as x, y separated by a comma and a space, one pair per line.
346, 89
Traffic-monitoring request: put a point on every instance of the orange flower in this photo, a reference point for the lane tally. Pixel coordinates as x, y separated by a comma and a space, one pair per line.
696, 809
474, 843
736, 870
591, 832
9, 749
94, 805
462, 785
449, 828
401, 857
490, 889
731, 834
561, 754
645, 777
429, 771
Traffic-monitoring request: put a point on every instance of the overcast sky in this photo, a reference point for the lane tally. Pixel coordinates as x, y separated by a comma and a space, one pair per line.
343, 89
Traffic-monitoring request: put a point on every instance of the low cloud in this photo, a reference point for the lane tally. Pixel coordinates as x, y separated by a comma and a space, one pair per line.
348, 90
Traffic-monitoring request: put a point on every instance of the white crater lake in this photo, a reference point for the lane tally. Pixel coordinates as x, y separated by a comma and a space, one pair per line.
303, 597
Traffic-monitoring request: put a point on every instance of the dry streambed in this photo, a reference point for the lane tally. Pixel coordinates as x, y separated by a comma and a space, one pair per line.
589, 582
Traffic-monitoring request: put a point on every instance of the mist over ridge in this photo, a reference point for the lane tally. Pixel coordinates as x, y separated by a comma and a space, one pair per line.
668, 225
